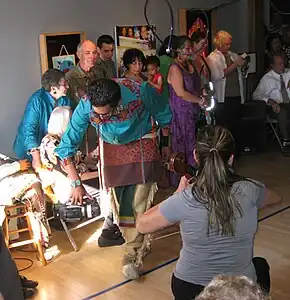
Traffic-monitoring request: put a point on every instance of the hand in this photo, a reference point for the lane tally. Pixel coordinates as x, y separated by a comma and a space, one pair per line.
276, 107
240, 61
77, 195
183, 184
166, 152
24, 165
150, 78
36, 165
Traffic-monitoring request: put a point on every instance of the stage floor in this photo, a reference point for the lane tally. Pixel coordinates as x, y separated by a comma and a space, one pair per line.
95, 273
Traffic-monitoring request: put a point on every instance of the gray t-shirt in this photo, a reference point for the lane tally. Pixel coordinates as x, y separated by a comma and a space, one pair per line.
204, 256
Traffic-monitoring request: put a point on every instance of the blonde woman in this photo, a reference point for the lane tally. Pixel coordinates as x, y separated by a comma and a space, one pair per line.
228, 82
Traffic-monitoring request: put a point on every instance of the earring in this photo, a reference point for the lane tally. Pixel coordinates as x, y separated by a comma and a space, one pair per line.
54, 92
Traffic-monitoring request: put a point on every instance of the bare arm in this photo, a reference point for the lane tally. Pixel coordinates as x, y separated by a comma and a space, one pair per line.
271, 198
176, 80
230, 69
159, 84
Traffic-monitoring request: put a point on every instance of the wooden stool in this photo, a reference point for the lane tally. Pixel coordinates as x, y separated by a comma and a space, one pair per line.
22, 215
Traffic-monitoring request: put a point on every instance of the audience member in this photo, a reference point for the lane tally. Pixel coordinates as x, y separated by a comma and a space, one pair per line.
227, 78
105, 66
274, 89
83, 73
232, 288
153, 71
33, 126
221, 209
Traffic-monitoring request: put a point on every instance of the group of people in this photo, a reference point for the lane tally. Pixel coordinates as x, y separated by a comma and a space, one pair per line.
116, 123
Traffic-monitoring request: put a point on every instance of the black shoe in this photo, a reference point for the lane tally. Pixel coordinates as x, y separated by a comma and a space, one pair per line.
28, 293
27, 283
110, 238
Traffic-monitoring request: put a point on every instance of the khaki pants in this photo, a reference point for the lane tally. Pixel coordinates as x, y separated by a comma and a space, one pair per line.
137, 245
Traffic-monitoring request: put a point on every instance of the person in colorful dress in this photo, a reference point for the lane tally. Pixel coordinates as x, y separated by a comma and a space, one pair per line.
185, 102
125, 113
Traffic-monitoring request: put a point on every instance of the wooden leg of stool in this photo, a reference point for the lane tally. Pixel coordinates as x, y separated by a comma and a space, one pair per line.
30, 230
41, 253
6, 232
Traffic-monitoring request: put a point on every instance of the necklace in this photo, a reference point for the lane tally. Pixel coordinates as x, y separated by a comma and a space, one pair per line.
183, 65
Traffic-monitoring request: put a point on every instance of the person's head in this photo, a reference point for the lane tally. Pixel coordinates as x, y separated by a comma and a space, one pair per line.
214, 149
277, 63
106, 47
124, 31
144, 32
199, 42
152, 65
59, 120
274, 43
134, 60
224, 287
286, 37
87, 54
223, 41
105, 95
184, 48
53, 81
130, 32
164, 46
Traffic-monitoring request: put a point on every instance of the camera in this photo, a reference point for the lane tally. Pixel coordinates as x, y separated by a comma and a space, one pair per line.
75, 213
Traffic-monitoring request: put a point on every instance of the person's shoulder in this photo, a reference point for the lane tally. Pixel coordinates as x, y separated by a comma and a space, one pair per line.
72, 73
190, 198
37, 97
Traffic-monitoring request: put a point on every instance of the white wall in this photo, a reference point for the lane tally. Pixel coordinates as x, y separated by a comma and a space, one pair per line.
21, 22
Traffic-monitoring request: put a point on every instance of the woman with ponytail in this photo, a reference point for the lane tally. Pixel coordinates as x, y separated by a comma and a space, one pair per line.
218, 216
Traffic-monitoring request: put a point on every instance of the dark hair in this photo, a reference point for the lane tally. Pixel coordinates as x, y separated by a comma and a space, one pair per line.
181, 40
271, 58
214, 147
131, 55
271, 38
104, 92
105, 39
51, 78
152, 60
197, 36
164, 46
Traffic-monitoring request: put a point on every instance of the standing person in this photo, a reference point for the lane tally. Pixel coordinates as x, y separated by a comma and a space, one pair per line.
33, 126
185, 102
105, 66
83, 73
227, 78
218, 216
122, 112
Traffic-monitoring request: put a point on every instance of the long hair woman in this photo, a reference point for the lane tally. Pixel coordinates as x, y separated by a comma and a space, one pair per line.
185, 101
217, 216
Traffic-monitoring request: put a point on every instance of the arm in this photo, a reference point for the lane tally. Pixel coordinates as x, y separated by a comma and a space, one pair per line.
69, 144
165, 214
271, 197
159, 85
176, 80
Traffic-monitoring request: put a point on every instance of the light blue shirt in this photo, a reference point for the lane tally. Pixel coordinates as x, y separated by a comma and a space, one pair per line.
33, 126
140, 101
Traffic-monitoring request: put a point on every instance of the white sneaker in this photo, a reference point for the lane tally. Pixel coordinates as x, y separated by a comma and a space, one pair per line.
130, 271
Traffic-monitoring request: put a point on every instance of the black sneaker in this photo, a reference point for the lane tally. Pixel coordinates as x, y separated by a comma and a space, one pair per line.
110, 238
28, 293
27, 283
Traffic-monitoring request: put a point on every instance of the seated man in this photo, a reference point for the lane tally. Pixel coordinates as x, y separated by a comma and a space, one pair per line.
274, 89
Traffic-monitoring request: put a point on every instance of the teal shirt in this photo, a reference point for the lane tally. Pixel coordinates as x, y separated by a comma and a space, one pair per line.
140, 101
165, 62
33, 126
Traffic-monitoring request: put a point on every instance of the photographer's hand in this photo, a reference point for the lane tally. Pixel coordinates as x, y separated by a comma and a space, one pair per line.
77, 195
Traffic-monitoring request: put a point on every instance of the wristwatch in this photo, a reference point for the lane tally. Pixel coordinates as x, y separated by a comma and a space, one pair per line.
76, 183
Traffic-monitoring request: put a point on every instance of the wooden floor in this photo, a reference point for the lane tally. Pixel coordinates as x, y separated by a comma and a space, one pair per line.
80, 275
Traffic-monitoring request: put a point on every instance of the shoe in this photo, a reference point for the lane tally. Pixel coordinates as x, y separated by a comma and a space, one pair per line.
27, 283
28, 293
110, 238
130, 271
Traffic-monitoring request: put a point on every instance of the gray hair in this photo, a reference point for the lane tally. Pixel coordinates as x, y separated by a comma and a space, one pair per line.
224, 287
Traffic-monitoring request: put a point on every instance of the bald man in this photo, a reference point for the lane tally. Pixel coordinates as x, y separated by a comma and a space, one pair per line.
82, 74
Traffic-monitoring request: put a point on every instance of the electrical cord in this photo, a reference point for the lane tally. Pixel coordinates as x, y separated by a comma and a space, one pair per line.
25, 259
278, 10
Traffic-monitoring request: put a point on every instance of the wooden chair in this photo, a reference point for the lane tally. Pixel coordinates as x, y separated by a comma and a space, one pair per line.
36, 241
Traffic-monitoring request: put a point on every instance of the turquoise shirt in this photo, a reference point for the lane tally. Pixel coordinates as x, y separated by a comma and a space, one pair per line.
33, 126
140, 102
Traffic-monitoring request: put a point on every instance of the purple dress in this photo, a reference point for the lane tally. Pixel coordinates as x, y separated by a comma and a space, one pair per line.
184, 117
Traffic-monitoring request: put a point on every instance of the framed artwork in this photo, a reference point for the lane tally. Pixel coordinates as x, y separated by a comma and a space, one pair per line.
133, 36
191, 20
52, 46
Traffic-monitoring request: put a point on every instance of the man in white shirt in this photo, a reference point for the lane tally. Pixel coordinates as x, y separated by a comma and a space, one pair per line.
274, 89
